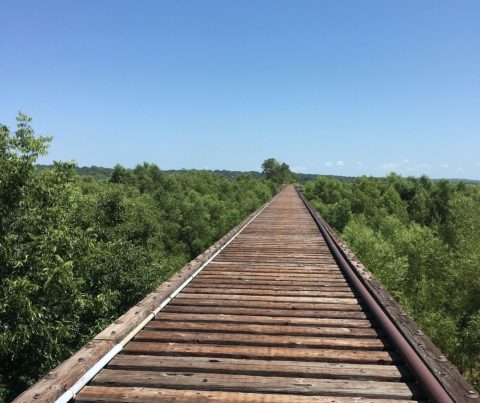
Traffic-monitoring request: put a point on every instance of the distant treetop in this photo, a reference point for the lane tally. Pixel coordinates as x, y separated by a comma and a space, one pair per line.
277, 172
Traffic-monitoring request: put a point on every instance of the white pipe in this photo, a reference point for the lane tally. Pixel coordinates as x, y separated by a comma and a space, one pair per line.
95, 369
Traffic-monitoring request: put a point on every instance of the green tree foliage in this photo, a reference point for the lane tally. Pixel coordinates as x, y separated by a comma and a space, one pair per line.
277, 172
75, 252
421, 239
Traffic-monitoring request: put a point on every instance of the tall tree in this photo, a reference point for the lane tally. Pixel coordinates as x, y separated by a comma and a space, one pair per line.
277, 172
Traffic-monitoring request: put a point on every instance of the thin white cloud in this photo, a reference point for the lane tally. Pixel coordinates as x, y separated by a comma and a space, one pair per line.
460, 169
328, 164
390, 165
340, 163
444, 165
299, 169
404, 164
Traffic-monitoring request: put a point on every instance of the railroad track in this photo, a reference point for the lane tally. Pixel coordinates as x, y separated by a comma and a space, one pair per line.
272, 313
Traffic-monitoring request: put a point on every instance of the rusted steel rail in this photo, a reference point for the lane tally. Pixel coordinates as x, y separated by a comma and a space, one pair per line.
279, 310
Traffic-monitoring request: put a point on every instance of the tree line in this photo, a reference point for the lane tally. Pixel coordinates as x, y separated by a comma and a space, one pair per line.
76, 252
421, 239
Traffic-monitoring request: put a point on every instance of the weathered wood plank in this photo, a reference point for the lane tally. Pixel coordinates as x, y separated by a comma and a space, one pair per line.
229, 267
260, 340
182, 300
265, 312
247, 383
276, 282
274, 353
319, 300
284, 320
243, 268
147, 395
261, 292
278, 260
268, 275
278, 287
231, 327
323, 370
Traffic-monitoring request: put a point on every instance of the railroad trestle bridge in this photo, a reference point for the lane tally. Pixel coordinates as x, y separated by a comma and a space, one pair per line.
278, 310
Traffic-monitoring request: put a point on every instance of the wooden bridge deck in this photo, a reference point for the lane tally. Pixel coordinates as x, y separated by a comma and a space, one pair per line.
270, 319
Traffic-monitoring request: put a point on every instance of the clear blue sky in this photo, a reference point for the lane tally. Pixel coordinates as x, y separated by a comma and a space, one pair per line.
335, 87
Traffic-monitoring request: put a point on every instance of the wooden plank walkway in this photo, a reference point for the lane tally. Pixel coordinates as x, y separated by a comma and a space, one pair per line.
270, 319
